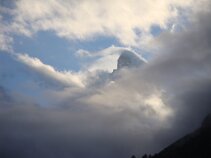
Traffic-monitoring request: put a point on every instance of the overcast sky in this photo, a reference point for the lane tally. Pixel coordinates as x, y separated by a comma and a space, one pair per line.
59, 96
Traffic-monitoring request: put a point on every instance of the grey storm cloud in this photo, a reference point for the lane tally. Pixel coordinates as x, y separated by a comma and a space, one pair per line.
28, 130
86, 127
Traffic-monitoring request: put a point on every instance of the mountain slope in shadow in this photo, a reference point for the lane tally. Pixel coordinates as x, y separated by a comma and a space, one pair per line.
194, 145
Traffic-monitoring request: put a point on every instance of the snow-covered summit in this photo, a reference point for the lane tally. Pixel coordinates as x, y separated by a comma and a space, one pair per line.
129, 59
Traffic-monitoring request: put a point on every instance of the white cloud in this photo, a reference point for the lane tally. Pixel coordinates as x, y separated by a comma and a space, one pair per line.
5, 40
82, 53
106, 63
130, 21
156, 105
130, 92
83, 19
105, 59
67, 78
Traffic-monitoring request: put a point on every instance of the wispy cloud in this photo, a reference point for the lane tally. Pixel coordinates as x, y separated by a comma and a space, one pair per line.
5, 39
85, 19
105, 59
66, 78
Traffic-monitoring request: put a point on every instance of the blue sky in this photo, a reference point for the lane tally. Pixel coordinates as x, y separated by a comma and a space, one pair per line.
59, 52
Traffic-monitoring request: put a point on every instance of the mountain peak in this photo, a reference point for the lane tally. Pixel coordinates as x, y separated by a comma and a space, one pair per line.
129, 59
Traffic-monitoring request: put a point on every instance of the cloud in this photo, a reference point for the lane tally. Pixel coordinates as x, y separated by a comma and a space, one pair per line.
105, 59
141, 111
186, 59
128, 21
69, 132
80, 122
5, 42
64, 77
102, 64
169, 95
82, 53
5, 39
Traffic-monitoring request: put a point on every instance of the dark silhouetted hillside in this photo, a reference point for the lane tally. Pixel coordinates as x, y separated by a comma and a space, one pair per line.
194, 145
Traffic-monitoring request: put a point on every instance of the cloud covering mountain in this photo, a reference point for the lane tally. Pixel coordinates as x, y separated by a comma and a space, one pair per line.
54, 113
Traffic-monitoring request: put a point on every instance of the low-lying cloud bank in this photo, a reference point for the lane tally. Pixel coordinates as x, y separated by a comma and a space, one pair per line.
139, 110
